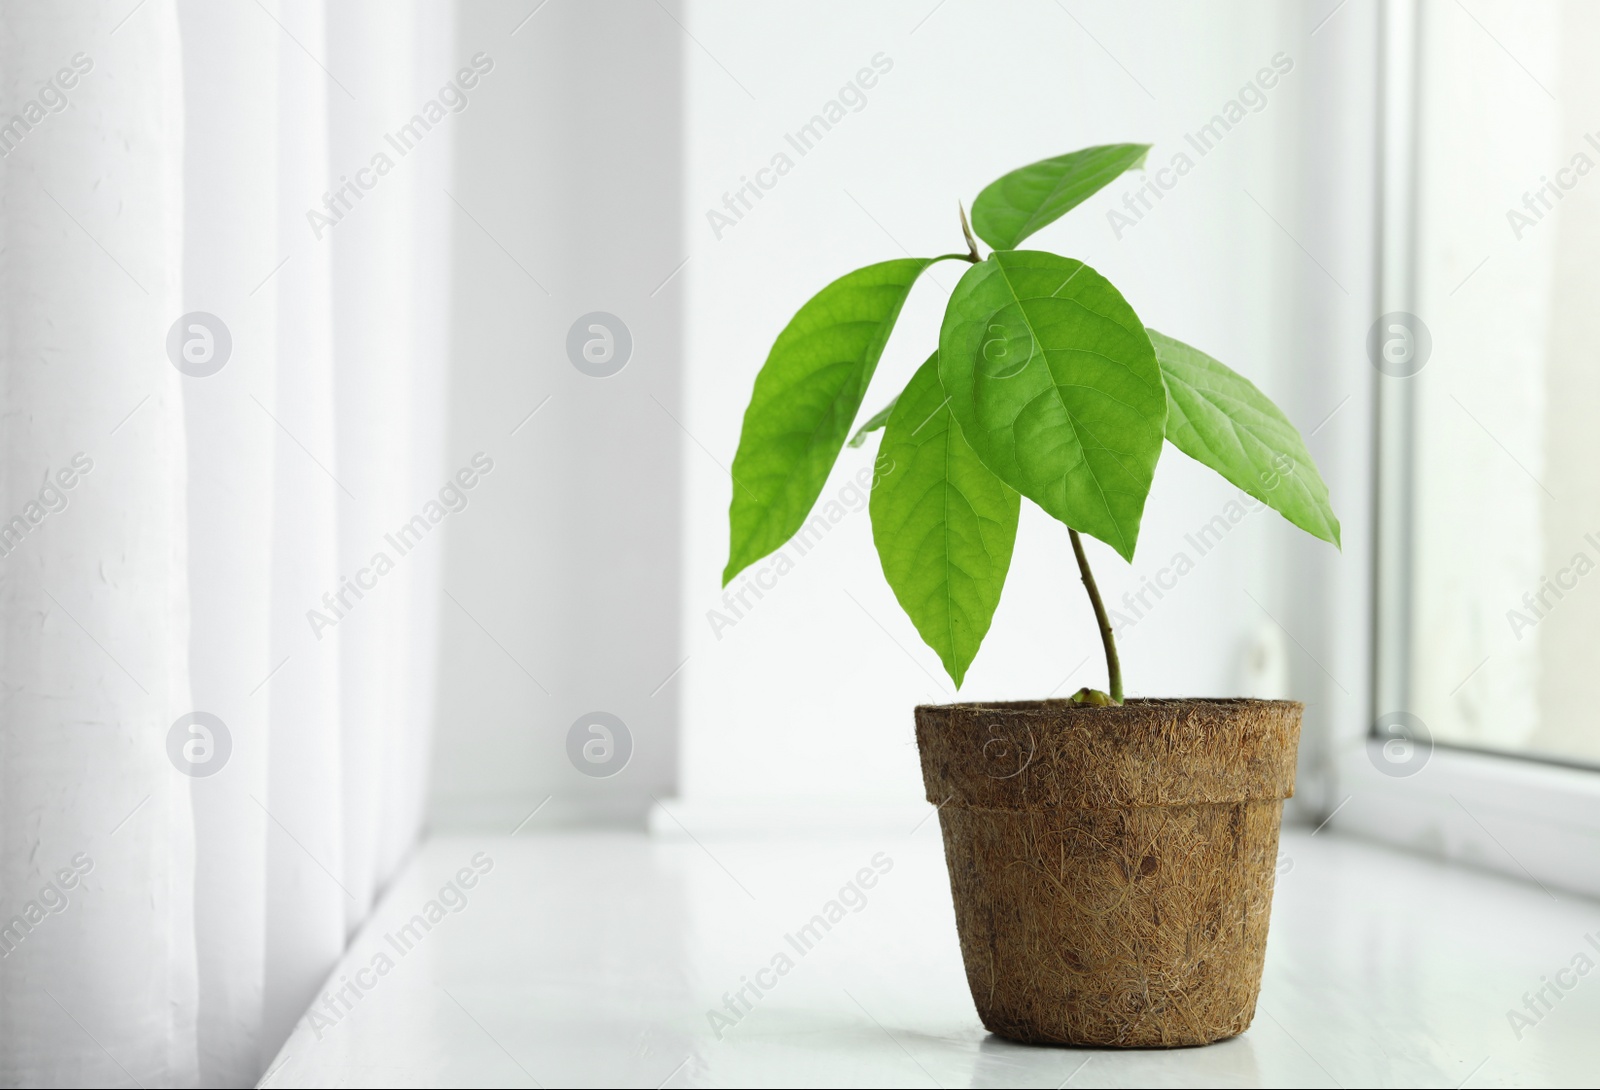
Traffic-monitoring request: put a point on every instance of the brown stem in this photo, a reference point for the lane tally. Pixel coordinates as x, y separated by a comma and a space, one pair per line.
1113, 667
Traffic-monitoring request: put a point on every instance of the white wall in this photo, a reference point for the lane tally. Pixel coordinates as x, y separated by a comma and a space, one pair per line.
808, 696
592, 159
562, 577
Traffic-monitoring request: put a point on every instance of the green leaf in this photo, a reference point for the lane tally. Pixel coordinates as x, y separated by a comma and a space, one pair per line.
1014, 206
878, 420
944, 525
1218, 417
1054, 383
805, 398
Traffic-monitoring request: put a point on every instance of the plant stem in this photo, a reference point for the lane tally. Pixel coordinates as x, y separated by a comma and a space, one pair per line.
1113, 667
966, 231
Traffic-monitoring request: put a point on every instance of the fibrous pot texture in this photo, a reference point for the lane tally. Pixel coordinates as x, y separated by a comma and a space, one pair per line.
1112, 867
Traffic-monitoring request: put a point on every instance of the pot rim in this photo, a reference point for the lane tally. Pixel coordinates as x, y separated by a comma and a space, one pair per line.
1057, 755
1056, 705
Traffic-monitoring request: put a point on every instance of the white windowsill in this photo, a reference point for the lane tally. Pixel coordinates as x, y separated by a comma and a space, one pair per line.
1531, 820
591, 959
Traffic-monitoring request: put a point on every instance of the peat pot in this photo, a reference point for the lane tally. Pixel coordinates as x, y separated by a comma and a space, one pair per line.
1112, 867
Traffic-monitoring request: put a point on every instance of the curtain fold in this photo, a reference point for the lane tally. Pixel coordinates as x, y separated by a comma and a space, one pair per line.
97, 963
216, 719
229, 246
307, 895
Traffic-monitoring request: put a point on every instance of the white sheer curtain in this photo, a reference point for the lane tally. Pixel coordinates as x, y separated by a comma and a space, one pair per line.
156, 926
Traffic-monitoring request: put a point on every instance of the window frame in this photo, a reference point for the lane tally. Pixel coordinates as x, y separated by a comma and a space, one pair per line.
1533, 818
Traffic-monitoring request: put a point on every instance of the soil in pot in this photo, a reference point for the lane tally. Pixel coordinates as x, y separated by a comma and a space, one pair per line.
1112, 867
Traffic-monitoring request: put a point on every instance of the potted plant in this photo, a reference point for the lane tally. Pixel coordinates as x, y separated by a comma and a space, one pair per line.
1111, 860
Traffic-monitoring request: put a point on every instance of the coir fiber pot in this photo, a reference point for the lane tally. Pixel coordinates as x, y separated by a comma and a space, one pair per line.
1112, 867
